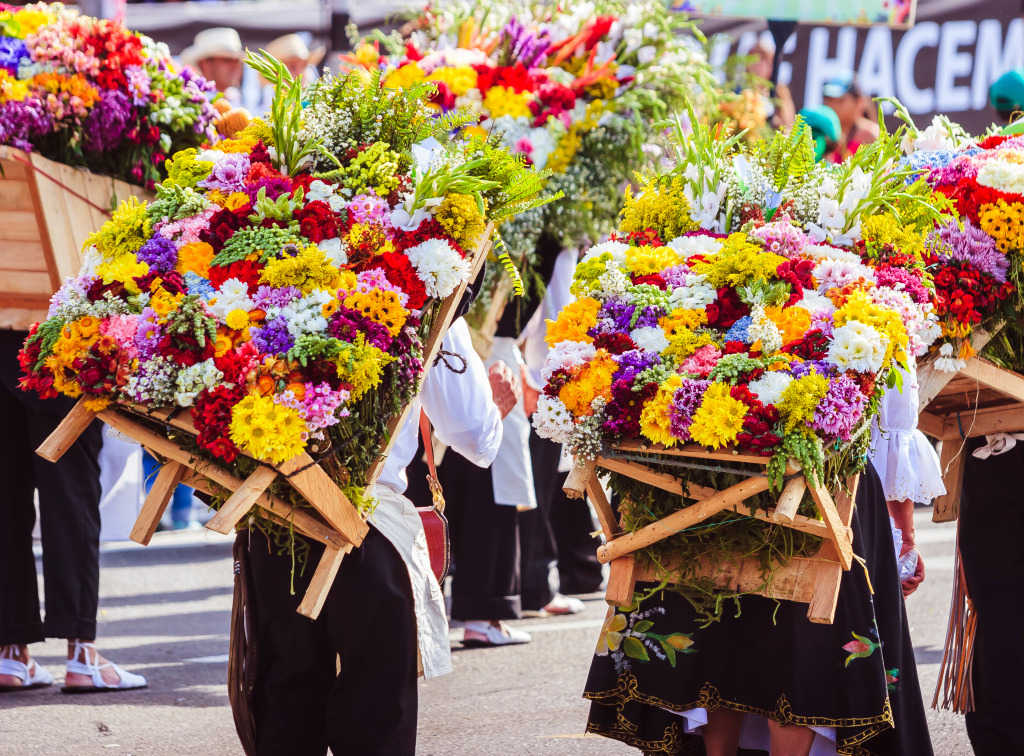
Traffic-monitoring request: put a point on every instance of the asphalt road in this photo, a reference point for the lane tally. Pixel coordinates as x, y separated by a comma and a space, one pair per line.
165, 611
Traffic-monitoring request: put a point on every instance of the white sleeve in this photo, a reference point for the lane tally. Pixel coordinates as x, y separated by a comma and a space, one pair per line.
556, 296
460, 406
905, 460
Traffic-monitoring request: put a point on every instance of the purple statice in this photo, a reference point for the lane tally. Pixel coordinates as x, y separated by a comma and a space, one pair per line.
267, 296
685, 402
973, 246
803, 369
12, 52
108, 122
159, 253
23, 121
634, 362
675, 275
648, 317
273, 337
148, 335
193, 79
228, 173
524, 44
901, 278
346, 324
840, 409
739, 331
619, 313
272, 186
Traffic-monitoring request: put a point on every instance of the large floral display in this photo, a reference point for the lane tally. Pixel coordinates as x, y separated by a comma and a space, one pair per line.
280, 286
87, 91
574, 88
751, 301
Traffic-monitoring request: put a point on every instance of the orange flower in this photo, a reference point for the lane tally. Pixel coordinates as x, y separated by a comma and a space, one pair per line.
265, 385
298, 389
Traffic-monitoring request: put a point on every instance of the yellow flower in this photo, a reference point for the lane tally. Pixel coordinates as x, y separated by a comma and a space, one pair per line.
719, 419
573, 322
195, 257
501, 101
30, 19
800, 400
238, 144
738, 262
594, 380
97, 403
403, 77
661, 205
267, 431
655, 422
307, 271
12, 88
611, 633
380, 306
460, 217
237, 319
794, 322
646, 260
330, 308
478, 132
361, 365
163, 303
123, 269
1004, 223
888, 322
460, 79
346, 280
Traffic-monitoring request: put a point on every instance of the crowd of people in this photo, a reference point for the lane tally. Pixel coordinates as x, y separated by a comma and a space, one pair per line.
520, 548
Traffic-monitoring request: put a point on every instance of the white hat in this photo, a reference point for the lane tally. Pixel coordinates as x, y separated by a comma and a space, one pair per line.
218, 42
293, 46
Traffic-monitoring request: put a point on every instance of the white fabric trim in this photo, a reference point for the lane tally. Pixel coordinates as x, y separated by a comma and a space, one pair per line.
756, 736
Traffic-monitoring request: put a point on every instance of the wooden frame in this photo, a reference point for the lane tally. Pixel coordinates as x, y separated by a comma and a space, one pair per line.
43, 225
812, 580
336, 523
979, 400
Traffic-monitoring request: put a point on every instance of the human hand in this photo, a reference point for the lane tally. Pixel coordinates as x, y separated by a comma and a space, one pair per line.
530, 394
913, 582
505, 387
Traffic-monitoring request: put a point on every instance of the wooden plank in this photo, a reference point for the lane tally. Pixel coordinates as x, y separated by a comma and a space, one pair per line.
684, 518
54, 207
25, 302
19, 225
579, 478
15, 194
1004, 381
26, 282
242, 500
846, 499
605, 513
689, 450
790, 498
793, 581
930, 424
825, 596
156, 502
317, 487
67, 432
622, 576
323, 578
952, 461
931, 381
645, 474
1008, 419
13, 170
23, 255
836, 528
19, 318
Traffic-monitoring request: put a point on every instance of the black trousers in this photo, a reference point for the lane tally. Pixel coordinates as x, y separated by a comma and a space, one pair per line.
556, 535
485, 544
301, 703
991, 530
69, 507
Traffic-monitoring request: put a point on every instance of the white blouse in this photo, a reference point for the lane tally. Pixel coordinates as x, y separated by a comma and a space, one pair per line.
903, 457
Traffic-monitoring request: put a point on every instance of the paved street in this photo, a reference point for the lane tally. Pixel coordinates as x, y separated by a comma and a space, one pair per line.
165, 612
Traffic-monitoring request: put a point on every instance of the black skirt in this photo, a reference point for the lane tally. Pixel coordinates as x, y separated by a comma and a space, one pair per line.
857, 675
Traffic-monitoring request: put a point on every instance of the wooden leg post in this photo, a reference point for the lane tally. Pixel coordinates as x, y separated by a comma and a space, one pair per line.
159, 496
242, 500
64, 435
621, 581
952, 460
790, 498
316, 486
323, 579
822, 607
837, 531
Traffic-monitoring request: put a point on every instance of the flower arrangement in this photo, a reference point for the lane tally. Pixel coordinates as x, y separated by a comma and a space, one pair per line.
574, 88
86, 91
766, 339
278, 290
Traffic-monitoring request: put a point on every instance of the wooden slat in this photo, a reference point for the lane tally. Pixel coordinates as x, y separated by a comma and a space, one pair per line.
690, 450
26, 282
645, 474
790, 498
952, 461
679, 521
13, 170
825, 595
317, 487
15, 194
930, 424
622, 577
931, 381
315, 596
18, 225
983, 422
1004, 381
578, 479
67, 432
19, 318
156, 502
605, 514
836, 529
242, 500
37, 302
23, 255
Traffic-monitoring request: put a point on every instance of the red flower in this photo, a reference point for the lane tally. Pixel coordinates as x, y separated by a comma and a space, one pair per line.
614, 343
654, 279
317, 222
726, 310
246, 271
399, 271
223, 225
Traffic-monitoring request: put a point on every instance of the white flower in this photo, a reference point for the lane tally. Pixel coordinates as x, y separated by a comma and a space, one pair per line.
232, 295
320, 191
698, 244
769, 387
826, 252
835, 274
566, 355
856, 346
439, 266
191, 380
646, 55
553, 419
402, 220
694, 294
651, 339
613, 283
615, 248
946, 362
764, 329
1002, 175
815, 303
335, 251
91, 260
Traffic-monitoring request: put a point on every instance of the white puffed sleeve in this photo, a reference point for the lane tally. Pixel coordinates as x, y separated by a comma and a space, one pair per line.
556, 296
901, 454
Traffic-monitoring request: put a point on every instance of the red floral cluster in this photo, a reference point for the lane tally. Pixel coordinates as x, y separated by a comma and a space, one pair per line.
758, 425
964, 292
211, 413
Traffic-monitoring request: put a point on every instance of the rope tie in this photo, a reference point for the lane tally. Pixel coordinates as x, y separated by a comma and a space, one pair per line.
443, 355
61, 184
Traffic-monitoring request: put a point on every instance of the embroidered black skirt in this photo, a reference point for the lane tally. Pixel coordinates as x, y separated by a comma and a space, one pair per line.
857, 675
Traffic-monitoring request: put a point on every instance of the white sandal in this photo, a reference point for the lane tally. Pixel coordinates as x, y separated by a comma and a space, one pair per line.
32, 676
126, 681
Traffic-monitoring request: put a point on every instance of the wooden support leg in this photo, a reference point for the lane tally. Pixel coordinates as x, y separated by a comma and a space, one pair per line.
64, 435
242, 500
159, 496
578, 479
837, 531
790, 498
621, 581
323, 579
605, 514
952, 460
310, 480
822, 607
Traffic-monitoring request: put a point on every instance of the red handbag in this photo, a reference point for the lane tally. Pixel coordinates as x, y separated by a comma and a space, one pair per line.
435, 524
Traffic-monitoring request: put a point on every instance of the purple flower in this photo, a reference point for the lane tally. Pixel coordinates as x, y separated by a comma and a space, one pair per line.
347, 324
973, 246
523, 44
12, 51
21, 122
228, 173
840, 409
108, 122
148, 335
685, 402
801, 369
675, 275
619, 314
138, 84
901, 278
272, 337
273, 186
267, 296
159, 253
633, 362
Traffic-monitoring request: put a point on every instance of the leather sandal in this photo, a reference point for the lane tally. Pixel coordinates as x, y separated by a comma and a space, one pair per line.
126, 680
32, 675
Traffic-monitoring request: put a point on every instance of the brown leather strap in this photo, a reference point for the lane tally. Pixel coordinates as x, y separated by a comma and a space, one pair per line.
428, 446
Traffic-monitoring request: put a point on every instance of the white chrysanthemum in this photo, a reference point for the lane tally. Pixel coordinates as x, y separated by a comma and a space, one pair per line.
91, 260
566, 355
439, 267
232, 295
615, 248
764, 329
1002, 175
947, 361
305, 315
826, 252
930, 331
193, 379
553, 419
695, 294
700, 244
210, 156
613, 283
835, 274
856, 346
816, 304
334, 250
651, 339
320, 191
769, 387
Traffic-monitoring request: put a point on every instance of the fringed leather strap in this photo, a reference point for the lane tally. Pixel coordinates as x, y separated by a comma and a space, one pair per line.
955, 673
242, 649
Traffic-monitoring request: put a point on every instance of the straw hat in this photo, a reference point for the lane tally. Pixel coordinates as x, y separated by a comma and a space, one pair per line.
218, 42
293, 46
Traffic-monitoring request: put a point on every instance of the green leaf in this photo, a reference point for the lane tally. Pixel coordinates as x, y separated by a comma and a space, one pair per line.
635, 649
670, 653
642, 626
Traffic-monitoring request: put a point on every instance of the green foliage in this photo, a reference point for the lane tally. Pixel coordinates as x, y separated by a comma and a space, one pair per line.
312, 346
268, 241
46, 335
281, 209
790, 157
190, 319
174, 202
508, 265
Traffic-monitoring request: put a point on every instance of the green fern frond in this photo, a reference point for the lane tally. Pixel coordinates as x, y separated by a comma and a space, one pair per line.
510, 268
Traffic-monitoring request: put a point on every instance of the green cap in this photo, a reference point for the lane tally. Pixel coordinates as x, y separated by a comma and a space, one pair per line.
1007, 93
824, 125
